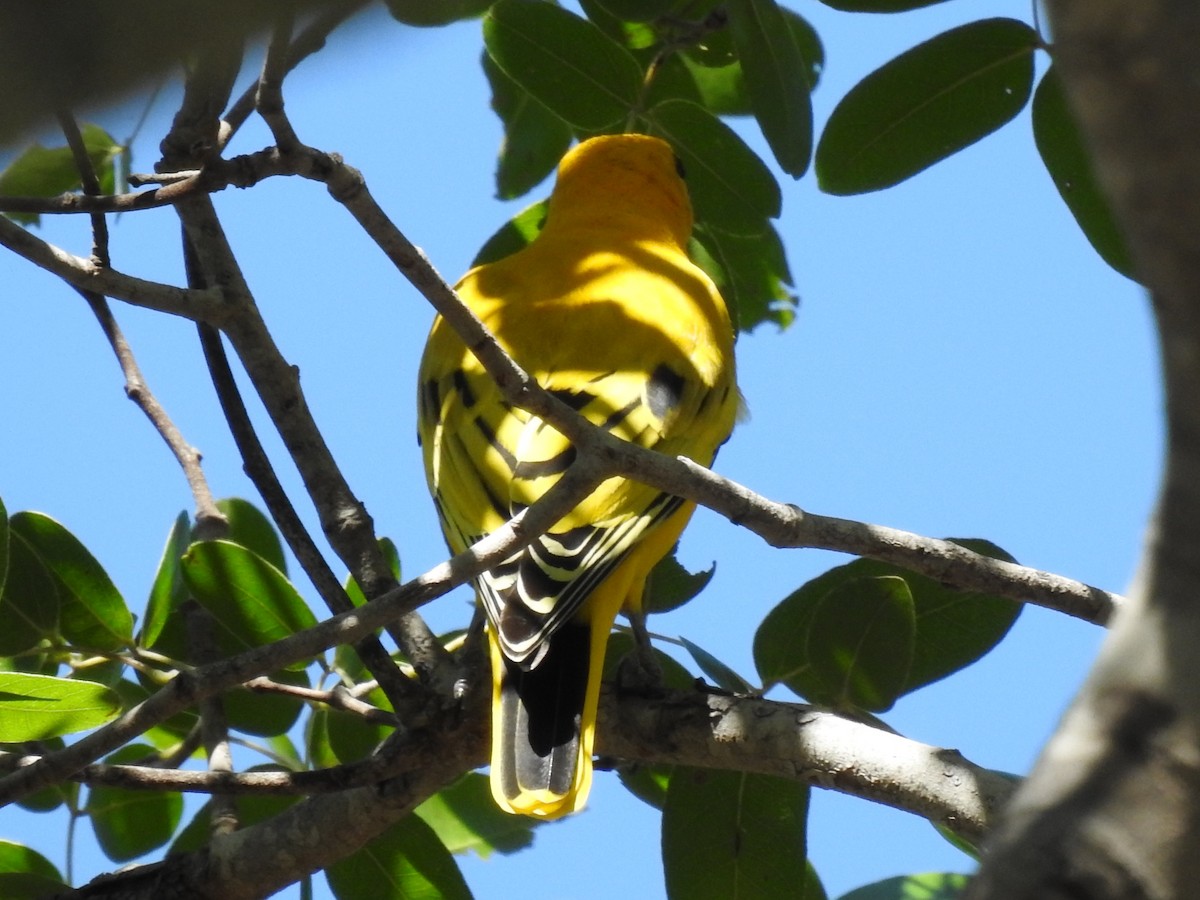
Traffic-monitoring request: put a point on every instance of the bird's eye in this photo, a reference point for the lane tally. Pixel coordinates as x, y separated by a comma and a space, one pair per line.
679, 168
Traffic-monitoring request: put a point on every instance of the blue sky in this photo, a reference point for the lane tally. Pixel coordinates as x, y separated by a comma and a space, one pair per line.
962, 364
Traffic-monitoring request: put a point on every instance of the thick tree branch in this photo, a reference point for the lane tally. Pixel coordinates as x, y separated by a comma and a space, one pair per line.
691, 728
788, 740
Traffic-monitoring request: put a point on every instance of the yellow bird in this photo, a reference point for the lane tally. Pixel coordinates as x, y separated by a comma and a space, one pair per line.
605, 310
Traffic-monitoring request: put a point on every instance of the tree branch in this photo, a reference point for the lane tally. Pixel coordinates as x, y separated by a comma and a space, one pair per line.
344, 520
310, 40
199, 306
136, 388
691, 728
243, 171
188, 687
258, 469
780, 524
799, 742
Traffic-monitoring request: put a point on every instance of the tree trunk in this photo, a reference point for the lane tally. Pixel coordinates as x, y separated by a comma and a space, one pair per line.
1112, 809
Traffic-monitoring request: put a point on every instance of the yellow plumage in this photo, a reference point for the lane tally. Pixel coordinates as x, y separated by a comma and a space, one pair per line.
606, 311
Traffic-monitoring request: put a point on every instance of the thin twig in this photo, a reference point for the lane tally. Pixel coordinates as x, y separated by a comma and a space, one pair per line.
338, 697
310, 39
203, 306
135, 385
242, 171
183, 750
139, 179
217, 783
89, 182
137, 391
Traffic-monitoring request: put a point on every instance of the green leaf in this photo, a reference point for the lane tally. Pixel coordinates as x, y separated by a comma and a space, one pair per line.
813, 889
670, 585
390, 555
713, 49
37, 707
718, 74
130, 823
514, 235
953, 628
92, 613
776, 76
465, 817
812, 51
565, 62
535, 139
752, 274
957, 841
634, 35
721, 675
407, 860
251, 528
29, 601
251, 601
648, 783
268, 713
879, 6
731, 834
720, 90
47, 172
351, 737
637, 10
859, 645
167, 593
928, 103
316, 738
49, 798
1067, 160
424, 14
30, 886
19, 858
930, 886
730, 187
672, 80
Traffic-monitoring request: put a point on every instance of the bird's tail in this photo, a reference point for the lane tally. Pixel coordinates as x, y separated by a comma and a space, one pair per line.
543, 725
